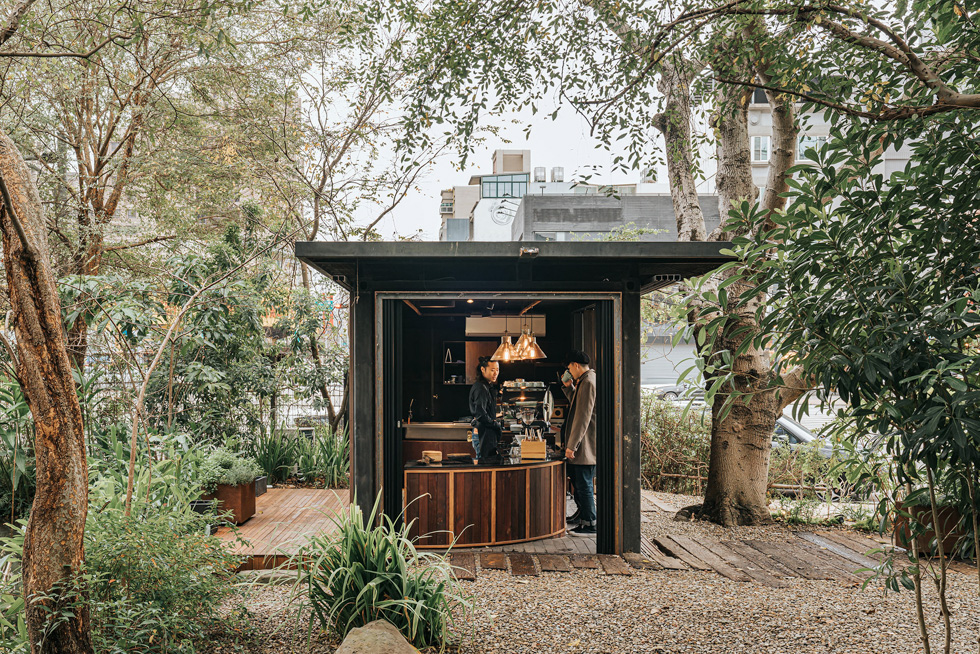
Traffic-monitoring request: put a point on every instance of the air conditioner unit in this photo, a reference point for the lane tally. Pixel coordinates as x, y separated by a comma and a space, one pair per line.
497, 326
540, 174
558, 174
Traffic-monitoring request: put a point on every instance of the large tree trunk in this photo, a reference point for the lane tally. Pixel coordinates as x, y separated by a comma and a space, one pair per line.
741, 430
53, 549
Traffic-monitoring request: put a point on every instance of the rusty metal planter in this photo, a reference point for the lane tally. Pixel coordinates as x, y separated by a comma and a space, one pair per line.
239, 500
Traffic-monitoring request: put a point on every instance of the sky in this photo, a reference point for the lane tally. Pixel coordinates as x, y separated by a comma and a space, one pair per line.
566, 142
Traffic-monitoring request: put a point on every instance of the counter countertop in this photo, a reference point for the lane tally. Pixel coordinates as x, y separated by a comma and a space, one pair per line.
496, 462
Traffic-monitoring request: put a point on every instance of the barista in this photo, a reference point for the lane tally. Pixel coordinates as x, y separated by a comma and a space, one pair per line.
483, 408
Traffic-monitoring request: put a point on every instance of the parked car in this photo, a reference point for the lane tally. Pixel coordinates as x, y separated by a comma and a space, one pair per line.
789, 433
683, 391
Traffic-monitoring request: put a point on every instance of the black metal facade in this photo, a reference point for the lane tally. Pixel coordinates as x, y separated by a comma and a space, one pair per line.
615, 274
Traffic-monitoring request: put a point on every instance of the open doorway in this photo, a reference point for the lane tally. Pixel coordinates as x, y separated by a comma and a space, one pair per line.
428, 348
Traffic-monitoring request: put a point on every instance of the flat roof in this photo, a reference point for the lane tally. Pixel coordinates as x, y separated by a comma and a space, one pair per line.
532, 264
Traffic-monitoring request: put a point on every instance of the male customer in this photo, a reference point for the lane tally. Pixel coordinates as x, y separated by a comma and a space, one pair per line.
579, 431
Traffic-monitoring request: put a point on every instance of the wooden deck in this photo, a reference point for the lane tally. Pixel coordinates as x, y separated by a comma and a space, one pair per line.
284, 520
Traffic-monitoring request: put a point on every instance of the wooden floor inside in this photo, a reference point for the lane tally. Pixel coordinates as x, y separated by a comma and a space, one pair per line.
284, 520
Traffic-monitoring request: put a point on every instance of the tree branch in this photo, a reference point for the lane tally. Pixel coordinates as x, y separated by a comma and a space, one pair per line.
8, 205
13, 20
126, 246
27, 54
796, 383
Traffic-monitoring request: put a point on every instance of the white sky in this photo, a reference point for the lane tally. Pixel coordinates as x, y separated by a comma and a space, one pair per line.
565, 142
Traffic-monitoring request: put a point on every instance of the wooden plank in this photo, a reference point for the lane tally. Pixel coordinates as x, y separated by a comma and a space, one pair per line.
826, 562
756, 572
493, 561
614, 565
856, 542
662, 505
838, 549
760, 560
719, 565
650, 551
522, 565
464, 565
553, 563
793, 561
584, 561
672, 548
641, 562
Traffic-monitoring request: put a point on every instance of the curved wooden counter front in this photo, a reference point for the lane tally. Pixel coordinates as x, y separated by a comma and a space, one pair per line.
485, 505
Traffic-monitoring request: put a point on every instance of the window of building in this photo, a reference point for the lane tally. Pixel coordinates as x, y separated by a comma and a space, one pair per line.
446, 207
760, 148
504, 186
806, 143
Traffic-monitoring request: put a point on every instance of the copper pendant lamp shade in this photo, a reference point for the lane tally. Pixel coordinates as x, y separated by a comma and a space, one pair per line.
506, 350
522, 344
533, 350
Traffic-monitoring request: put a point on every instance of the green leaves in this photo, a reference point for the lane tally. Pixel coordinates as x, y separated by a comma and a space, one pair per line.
364, 572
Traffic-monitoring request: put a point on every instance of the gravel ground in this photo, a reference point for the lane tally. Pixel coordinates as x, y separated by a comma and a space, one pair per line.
662, 524
659, 612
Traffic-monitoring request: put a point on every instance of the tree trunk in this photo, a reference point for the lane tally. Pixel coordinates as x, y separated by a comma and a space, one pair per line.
315, 352
741, 430
89, 263
675, 125
734, 176
53, 548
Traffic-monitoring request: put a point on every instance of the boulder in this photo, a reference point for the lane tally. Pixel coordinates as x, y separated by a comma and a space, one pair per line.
378, 637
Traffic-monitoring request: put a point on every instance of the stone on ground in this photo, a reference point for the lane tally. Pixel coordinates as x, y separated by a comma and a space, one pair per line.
378, 637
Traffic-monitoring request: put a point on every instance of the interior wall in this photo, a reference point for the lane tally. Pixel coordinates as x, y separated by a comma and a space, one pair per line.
424, 351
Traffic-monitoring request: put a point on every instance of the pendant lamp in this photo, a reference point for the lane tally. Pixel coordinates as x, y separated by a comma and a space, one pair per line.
522, 344
533, 350
505, 352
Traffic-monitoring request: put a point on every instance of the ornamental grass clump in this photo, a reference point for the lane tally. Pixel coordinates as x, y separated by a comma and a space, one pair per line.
360, 573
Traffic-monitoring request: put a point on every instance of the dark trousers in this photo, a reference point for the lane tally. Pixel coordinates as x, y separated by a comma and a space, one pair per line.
581, 477
489, 438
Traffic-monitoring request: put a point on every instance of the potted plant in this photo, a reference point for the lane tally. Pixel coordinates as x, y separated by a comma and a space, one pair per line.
230, 479
920, 511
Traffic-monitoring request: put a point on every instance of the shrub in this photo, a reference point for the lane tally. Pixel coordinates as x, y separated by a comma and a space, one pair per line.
324, 460
225, 467
13, 628
155, 582
673, 442
361, 573
275, 454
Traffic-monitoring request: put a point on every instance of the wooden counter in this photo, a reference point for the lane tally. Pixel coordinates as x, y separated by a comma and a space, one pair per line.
485, 505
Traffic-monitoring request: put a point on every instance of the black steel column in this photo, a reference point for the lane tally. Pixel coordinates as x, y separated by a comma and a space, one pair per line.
608, 518
630, 426
361, 410
391, 410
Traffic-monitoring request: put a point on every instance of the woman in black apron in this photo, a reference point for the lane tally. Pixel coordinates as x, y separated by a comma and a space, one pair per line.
483, 408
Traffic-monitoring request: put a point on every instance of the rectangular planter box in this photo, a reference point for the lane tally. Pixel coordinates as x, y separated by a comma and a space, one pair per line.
240, 500
261, 485
949, 518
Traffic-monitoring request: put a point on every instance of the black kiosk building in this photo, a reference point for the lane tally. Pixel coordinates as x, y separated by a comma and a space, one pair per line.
417, 325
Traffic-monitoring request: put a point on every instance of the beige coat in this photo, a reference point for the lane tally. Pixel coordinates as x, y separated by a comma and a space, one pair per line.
580, 422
